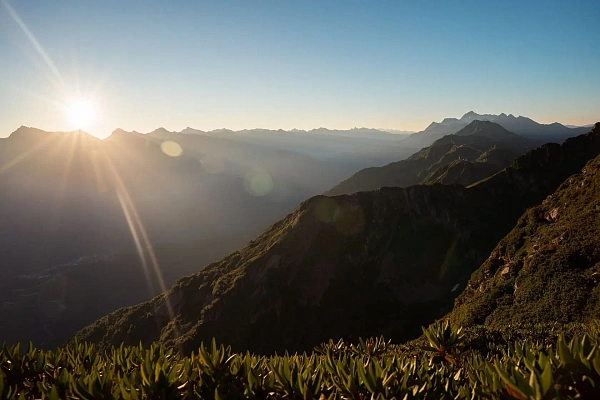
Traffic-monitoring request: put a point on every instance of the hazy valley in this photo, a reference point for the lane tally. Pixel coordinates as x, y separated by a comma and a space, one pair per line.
124, 218
90, 226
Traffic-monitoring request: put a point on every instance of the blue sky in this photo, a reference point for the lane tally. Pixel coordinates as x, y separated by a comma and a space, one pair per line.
301, 64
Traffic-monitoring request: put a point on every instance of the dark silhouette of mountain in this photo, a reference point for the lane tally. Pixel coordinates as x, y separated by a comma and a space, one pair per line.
475, 152
523, 126
546, 270
379, 262
76, 211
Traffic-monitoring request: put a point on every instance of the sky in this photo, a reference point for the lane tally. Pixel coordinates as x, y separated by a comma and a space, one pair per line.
302, 64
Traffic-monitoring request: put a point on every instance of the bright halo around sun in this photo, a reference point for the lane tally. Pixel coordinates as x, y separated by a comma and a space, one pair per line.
81, 114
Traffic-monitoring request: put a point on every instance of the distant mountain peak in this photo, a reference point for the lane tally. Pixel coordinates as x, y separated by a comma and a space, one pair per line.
448, 120
190, 130
472, 115
120, 131
160, 130
121, 134
28, 133
489, 129
24, 129
480, 124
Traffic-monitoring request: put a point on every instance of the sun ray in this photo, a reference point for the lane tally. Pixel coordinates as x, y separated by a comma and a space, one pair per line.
66, 167
21, 157
138, 233
35, 42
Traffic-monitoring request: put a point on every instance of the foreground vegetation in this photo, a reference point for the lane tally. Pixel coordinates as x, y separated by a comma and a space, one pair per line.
445, 363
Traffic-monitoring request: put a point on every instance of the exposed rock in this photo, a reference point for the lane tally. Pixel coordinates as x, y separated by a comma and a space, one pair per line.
552, 215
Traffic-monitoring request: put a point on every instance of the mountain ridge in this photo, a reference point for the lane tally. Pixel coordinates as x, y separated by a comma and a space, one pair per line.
483, 147
316, 273
547, 268
524, 126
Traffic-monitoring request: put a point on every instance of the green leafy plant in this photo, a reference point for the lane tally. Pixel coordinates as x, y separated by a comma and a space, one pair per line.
445, 343
449, 367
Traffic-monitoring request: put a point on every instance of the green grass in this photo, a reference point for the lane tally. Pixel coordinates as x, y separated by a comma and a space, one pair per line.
553, 263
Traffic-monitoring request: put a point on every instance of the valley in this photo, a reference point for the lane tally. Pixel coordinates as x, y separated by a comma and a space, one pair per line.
397, 250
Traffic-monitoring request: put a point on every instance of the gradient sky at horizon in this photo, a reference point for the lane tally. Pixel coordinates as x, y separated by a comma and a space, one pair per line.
302, 64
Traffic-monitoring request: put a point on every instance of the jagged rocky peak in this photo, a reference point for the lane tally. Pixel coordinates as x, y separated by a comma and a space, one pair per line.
471, 115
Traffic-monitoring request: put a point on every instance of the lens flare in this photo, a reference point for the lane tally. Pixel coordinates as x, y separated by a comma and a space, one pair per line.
171, 148
258, 182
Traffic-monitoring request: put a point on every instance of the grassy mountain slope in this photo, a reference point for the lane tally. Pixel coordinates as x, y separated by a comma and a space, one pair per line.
459, 158
547, 269
376, 262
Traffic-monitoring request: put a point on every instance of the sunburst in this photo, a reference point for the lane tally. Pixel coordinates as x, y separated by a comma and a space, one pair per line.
81, 113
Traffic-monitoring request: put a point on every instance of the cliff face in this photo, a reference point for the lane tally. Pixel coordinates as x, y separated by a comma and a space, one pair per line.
381, 262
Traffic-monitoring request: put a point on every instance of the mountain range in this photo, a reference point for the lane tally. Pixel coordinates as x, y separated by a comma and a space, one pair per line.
477, 151
88, 226
379, 262
356, 148
523, 126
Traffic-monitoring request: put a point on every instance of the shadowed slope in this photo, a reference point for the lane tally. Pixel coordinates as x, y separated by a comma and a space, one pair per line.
465, 157
381, 262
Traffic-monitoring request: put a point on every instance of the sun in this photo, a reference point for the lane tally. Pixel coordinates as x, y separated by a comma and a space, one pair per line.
81, 113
